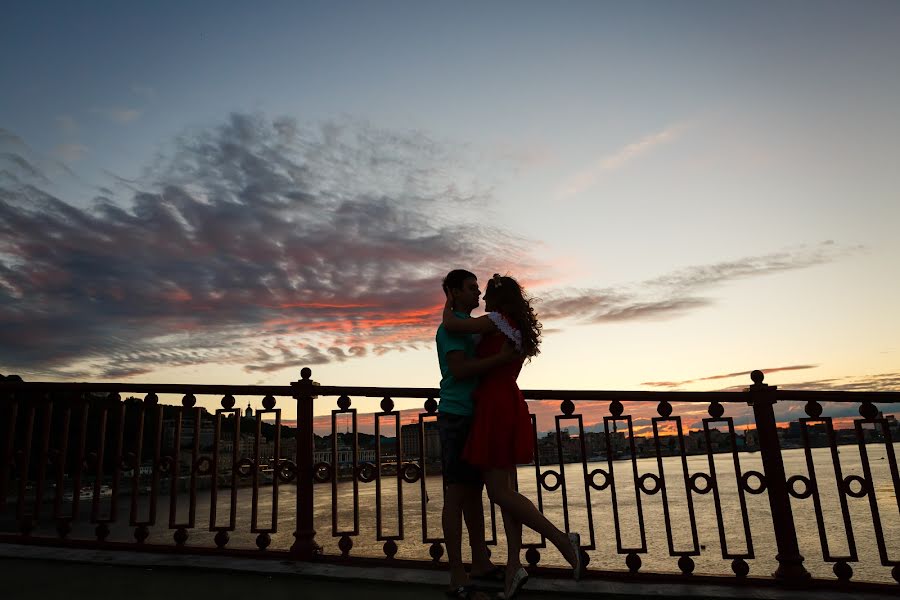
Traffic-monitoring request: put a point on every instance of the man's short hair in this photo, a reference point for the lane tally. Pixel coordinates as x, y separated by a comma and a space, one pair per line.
455, 279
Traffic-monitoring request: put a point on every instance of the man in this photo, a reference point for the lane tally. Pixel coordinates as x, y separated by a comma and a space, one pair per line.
462, 482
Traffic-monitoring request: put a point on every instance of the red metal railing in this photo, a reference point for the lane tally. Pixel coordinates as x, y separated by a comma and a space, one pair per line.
56, 436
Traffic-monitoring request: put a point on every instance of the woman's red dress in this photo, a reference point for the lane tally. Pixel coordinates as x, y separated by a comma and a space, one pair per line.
501, 434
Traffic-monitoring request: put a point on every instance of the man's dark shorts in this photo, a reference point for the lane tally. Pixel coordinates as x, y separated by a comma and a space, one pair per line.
454, 431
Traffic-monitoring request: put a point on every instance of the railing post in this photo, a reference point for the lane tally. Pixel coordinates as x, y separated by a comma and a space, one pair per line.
790, 562
305, 546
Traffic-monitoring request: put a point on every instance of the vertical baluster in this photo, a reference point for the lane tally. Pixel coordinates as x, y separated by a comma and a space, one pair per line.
137, 455
716, 410
62, 525
222, 537
345, 544
47, 404
11, 406
870, 414
567, 407
685, 562
24, 464
633, 559
390, 544
842, 569
790, 561
263, 538
188, 402
532, 552
305, 546
436, 550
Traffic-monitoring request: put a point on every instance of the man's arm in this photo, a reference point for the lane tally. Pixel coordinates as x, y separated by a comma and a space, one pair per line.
463, 368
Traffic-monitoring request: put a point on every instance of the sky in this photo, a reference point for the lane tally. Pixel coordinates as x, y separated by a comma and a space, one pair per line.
225, 193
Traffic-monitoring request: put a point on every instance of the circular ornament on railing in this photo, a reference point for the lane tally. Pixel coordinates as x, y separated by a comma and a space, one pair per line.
63, 528
745, 482
221, 539
366, 472
268, 402
228, 402
616, 408
692, 482
151, 399
390, 549
757, 376
842, 570
633, 562
102, 532
436, 551
114, 397
141, 533
863, 486
263, 540
792, 487
430, 406
664, 409
345, 545
715, 410
305, 373
598, 486
344, 402
740, 567
322, 472
287, 471
686, 564
567, 407
244, 467
868, 410
532, 556
180, 537
411, 472
387, 405
165, 464
556, 484
188, 401
203, 465
813, 409
642, 483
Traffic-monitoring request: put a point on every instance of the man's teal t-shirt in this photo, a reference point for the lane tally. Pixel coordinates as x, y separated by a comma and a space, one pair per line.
456, 395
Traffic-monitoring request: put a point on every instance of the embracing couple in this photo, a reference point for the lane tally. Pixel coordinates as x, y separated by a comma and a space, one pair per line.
485, 429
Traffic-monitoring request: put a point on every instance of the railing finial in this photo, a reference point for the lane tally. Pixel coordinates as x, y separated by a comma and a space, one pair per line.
757, 377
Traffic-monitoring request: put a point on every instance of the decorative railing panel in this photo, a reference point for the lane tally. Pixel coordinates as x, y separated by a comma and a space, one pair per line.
676, 503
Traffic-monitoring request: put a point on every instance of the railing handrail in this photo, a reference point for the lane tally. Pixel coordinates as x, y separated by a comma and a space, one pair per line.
418, 392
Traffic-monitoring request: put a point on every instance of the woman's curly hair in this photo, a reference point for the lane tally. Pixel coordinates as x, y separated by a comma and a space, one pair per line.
511, 300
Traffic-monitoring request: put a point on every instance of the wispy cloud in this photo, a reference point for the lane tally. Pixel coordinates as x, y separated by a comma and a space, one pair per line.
591, 174
680, 291
745, 374
70, 152
256, 243
143, 91
121, 115
67, 124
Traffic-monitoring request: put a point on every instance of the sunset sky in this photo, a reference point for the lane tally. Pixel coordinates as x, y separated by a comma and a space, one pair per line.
227, 192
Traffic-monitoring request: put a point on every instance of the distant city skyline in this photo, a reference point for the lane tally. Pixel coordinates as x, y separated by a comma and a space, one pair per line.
218, 192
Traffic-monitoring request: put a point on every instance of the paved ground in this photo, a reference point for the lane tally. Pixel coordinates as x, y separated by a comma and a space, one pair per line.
44, 573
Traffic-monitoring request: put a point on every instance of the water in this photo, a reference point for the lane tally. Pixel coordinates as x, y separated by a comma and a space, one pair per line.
604, 556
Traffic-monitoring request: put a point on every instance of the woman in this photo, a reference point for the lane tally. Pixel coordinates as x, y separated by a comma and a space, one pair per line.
501, 435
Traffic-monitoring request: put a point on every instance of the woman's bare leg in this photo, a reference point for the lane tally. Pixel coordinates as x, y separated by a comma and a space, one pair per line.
524, 512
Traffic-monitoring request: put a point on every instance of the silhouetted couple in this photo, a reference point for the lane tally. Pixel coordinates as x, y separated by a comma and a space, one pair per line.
485, 428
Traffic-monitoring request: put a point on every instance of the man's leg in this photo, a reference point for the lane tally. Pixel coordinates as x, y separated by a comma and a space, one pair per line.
451, 519
473, 510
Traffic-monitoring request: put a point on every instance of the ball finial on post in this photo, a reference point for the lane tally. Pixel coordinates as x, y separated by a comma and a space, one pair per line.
305, 373
757, 376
